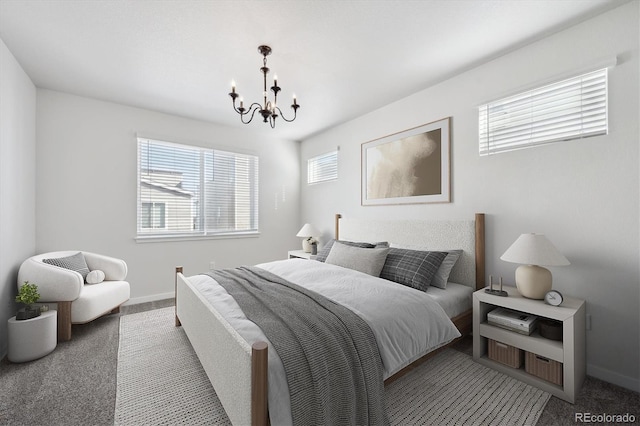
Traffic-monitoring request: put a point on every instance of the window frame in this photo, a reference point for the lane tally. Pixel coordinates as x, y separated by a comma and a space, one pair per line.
323, 175
198, 218
533, 99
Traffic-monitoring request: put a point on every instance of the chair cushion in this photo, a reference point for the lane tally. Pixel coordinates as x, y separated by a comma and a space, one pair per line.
74, 263
98, 299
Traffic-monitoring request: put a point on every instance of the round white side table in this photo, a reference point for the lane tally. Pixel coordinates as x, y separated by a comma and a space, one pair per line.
33, 338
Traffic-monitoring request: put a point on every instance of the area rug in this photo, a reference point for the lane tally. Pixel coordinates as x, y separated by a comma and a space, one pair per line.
161, 382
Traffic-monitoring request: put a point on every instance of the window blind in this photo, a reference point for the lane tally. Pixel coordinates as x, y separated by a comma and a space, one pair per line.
191, 191
569, 109
322, 168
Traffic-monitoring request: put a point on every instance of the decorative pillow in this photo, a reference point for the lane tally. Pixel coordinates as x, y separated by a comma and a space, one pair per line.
367, 260
412, 268
95, 277
324, 251
75, 263
441, 277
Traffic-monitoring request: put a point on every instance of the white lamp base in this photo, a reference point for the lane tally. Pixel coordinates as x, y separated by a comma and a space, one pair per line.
306, 246
533, 281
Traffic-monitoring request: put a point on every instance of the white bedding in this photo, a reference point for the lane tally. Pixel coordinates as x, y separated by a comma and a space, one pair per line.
455, 300
407, 323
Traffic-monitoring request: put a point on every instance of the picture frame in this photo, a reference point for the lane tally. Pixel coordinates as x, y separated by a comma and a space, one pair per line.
408, 167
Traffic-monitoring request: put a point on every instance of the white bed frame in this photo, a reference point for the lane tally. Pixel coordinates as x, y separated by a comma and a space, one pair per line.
238, 371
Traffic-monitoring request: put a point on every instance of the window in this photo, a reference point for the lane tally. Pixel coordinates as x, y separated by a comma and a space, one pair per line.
186, 191
569, 109
322, 168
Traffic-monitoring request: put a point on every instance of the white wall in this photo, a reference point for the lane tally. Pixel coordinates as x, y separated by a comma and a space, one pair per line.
17, 180
583, 194
86, 189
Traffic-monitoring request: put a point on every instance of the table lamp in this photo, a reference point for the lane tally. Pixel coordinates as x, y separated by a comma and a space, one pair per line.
532, 250
308, 231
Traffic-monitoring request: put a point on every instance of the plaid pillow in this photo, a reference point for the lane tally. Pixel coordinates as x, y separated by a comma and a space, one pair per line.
412, 268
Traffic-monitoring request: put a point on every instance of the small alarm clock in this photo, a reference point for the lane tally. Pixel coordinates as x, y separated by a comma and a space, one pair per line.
553, 297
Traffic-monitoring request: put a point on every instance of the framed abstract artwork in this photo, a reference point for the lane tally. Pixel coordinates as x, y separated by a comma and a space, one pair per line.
408, 167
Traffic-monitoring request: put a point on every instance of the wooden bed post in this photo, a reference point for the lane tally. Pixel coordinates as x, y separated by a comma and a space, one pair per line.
337, 233
480, 271
178, 271
259, 400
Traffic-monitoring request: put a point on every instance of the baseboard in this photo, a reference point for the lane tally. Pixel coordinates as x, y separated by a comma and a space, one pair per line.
613, 377
152, 298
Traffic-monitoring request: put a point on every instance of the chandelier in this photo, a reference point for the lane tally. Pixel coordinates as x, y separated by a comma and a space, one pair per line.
269, 110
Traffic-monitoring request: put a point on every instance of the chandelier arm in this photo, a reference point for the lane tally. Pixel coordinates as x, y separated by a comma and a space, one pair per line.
285, 118
253, 108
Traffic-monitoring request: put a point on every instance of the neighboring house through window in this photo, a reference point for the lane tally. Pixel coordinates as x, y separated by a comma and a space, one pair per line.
187, 191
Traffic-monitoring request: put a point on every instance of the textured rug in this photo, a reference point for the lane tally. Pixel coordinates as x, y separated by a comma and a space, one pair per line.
161, 382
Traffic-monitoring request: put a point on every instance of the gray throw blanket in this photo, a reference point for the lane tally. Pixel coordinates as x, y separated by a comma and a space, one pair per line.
329, 353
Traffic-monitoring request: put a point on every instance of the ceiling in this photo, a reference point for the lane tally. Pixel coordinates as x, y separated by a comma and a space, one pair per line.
341, 58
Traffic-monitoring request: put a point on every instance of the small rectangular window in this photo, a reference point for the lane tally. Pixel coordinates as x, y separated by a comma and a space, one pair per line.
570, 109
187, 191
322, 168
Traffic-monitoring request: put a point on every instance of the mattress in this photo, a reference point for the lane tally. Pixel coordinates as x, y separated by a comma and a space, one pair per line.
456, 299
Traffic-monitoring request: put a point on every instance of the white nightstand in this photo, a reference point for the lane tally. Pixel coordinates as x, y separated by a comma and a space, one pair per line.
570, 351
299, 253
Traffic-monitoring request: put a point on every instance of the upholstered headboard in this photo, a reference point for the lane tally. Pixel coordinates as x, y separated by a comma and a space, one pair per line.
467, 235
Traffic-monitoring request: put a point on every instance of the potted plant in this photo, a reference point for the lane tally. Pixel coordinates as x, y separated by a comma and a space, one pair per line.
28, 295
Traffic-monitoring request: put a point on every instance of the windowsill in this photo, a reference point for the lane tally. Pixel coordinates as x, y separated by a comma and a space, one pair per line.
167, 238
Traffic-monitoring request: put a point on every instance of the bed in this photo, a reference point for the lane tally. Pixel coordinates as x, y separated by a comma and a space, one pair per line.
240, 373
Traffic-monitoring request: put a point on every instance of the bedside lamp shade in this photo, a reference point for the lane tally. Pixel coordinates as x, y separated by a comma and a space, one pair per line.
532, 250
307, 232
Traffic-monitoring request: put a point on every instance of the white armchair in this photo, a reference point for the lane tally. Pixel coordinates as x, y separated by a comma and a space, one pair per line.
78, 303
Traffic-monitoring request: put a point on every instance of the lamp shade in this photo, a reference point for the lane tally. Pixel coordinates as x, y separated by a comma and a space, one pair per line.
534, 249
308, 230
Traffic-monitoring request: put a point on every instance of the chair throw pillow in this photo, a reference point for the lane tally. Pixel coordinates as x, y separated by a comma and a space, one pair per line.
74, 263
95, 277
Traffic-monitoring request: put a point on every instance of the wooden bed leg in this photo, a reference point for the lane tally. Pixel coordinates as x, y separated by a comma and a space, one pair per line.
259, 365
178, 271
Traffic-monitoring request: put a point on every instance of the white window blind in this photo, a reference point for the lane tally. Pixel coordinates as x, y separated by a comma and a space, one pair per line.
570, 109
187, 191
322, 168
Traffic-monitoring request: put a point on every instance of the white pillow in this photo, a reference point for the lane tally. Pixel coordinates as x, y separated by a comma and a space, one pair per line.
95, 277
441, 277
367, 260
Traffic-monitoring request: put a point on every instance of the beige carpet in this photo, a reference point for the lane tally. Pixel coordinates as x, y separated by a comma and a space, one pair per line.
160, 382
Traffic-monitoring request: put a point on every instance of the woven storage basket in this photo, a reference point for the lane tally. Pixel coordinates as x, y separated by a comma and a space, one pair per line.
505, 354
544, 368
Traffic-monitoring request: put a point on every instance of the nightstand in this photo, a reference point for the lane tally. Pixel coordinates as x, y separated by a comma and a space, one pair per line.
300, 254
570, 352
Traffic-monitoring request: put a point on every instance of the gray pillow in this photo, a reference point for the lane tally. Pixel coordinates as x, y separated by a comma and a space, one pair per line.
74, 263
324, 251
367, 260
442, 274
412, 268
